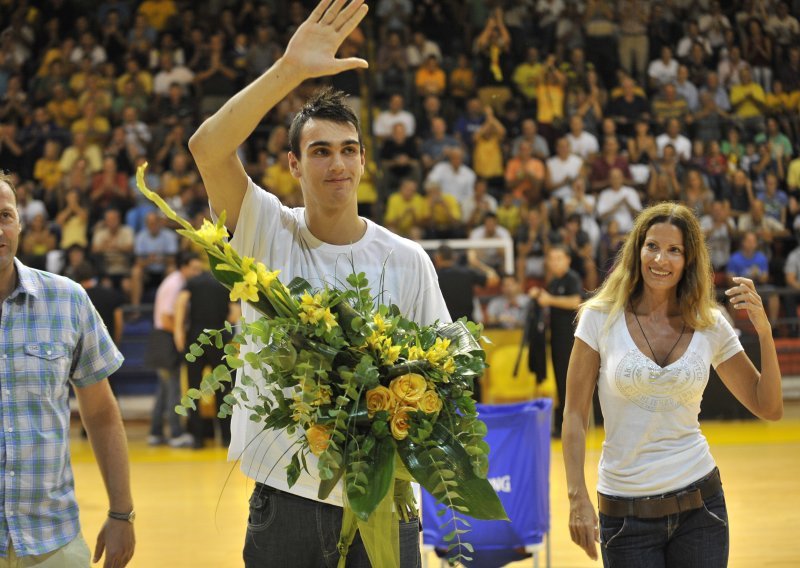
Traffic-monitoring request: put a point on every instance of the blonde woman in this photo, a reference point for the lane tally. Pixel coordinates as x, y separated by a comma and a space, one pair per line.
647, 340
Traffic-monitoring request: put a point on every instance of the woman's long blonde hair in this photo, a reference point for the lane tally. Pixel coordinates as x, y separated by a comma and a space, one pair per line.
696, 287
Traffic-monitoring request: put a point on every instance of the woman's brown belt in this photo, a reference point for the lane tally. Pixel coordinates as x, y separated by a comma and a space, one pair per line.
669, 504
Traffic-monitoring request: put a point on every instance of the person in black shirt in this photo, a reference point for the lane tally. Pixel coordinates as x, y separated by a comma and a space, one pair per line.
457, 284
202, 304
107, 301
562, 296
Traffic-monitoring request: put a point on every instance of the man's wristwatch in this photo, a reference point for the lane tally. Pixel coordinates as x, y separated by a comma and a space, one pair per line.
130, 517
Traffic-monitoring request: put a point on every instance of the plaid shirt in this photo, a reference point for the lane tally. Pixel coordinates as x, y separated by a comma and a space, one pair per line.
49, 333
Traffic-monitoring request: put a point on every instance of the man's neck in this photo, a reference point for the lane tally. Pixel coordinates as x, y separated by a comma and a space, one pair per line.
336, 228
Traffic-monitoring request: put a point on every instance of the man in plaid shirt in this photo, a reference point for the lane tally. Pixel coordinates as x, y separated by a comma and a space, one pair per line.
51, 334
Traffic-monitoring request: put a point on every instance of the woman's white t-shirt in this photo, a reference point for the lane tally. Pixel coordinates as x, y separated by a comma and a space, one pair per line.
397, 268
653, 443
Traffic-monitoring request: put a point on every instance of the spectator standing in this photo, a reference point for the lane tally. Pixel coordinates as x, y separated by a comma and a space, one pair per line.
203, 304
164, 358
561, 297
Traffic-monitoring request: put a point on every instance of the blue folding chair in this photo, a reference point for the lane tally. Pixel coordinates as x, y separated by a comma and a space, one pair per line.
519, 470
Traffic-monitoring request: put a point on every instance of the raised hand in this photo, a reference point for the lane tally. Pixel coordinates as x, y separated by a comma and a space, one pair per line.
312, 50
743, 296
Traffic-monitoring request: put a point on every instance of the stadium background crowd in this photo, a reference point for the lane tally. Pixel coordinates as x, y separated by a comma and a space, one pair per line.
535, 121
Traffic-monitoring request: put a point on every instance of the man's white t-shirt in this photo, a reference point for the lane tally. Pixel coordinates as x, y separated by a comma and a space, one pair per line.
653, 443
399, 272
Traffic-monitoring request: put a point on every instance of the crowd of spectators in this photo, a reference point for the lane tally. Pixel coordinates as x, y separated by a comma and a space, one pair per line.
536, 121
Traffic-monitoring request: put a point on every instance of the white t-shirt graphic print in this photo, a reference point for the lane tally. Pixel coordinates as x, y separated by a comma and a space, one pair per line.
653, 442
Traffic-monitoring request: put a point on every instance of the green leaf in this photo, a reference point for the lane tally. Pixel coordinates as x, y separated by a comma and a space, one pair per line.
194, 393
196, 350
190, 358
381, 476
478, 499
293, 470
234, 362
181, 410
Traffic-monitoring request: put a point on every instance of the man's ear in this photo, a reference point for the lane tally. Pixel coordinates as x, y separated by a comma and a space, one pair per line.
294, 165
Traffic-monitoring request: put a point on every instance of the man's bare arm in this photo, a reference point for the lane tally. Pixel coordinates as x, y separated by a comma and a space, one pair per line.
311, 53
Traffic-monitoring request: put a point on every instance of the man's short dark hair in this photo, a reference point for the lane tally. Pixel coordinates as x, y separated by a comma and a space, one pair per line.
185, 257
326, 104
445, 253
83, 272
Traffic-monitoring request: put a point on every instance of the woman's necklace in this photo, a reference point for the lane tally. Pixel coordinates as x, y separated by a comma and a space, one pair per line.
648, 341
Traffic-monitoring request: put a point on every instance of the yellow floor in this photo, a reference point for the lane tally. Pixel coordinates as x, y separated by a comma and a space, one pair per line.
192, 505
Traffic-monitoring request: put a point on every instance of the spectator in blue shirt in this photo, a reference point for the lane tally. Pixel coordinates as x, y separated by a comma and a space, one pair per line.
154, 249
751, 263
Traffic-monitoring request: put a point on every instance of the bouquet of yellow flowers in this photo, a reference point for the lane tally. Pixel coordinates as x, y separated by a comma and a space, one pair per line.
379, 399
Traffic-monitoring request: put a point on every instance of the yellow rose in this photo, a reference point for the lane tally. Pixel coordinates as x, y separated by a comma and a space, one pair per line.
408, 388
379, 398
430, 402
318, 437
400, 422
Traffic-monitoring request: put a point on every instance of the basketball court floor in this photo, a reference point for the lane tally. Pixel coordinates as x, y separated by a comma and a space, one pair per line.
192, 505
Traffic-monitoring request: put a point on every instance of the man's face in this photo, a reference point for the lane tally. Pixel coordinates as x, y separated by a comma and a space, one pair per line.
194, 268
153, 224
330, 166
510, 287
112, 219
558, 262
10, 227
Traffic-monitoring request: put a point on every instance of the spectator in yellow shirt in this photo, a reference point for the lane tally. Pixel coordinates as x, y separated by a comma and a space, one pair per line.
62, 107
430, 78
158, 12
462, 80
527, 74
46, 170
405, 209
95, 127
749, 104
279, 180
441, 214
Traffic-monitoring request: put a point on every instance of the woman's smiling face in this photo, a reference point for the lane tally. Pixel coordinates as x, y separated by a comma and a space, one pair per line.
663, 257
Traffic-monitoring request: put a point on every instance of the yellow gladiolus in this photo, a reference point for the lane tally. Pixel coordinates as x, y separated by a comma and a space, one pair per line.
244, 291
210, 233
265, 277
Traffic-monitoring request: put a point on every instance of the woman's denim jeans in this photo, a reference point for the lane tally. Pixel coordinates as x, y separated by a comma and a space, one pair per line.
692, 539
289, 531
